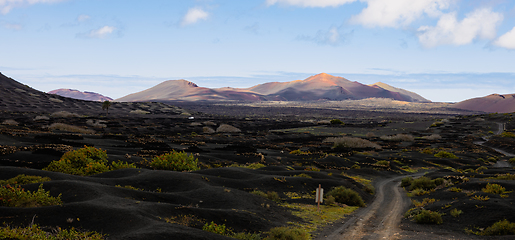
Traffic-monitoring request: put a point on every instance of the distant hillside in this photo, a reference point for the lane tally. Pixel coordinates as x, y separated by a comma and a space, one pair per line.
318, 87
491, 103
76, 94
414, 97
18, 97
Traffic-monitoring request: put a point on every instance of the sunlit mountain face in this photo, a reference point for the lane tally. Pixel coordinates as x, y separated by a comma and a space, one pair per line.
318, 87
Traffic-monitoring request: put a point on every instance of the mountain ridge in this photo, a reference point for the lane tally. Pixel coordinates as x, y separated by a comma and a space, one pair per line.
76, 94
500, 103
317, 87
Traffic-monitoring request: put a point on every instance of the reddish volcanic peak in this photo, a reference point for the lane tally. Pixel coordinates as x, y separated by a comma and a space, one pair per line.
326, 79
492, 103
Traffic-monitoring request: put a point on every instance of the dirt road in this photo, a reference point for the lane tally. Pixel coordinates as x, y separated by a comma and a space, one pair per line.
380, 220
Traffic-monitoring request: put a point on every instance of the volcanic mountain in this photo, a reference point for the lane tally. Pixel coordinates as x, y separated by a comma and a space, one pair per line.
18, 97
491, 103
414, 97
319, 87
76, 94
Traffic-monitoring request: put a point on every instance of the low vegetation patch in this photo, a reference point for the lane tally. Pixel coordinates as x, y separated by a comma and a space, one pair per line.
274, 196
444, 154
23, 179
425, 183
175, 161
18, 197
313, 219
85, 161
503, 227
494, 188
287, 233
508, 134
428, 217
367, 183
300, 152
506, 176
346, 196
351, 142
383, 163
249, 165
304, 175
34, 232
337, 122
455, 212
425, 202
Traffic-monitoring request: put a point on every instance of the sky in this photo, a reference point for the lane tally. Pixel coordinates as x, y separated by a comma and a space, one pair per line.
444, 50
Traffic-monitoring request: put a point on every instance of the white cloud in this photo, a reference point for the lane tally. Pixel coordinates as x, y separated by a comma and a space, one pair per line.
98, 33
507, 40
7, 5
83, 18
194, 15
481, 23
395, 13
309, 3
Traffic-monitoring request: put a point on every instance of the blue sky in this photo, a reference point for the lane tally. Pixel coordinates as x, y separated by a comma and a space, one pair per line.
445, 50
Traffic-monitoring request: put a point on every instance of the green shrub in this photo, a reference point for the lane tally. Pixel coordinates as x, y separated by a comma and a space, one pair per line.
512, 160
428, 150
346, 196
287, 233
23, 179
259, 193
455, 212
438, 181
215, 228
444, 154
18, 197
355, 166
312, 169
303, 175
508, 134
34, 232
407, 181
247, 236
121, 165
428, 217
274, 196
419, 192
84, 161
330, 201
337, 121
422, 183
175, 161
383, 163
455, 189
299, 152
503, 227
494, 188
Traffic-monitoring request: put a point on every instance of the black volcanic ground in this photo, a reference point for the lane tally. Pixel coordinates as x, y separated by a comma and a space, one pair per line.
220, 193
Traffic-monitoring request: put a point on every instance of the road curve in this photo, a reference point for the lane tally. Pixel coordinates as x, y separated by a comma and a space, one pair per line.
380, 220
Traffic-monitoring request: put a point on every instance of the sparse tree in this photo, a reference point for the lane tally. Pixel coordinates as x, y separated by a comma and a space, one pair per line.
105, 106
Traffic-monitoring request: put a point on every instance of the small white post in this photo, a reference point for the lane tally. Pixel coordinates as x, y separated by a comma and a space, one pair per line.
319, 198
